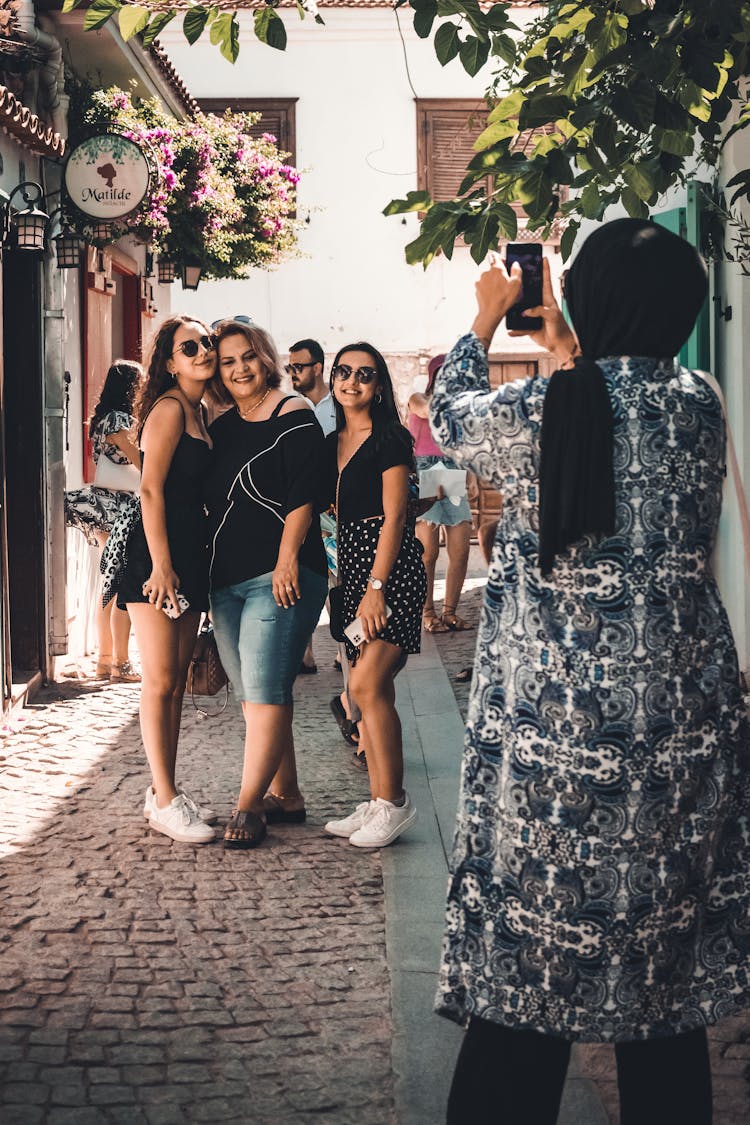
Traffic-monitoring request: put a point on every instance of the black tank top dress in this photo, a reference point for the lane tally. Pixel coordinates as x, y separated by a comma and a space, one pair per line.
186, 529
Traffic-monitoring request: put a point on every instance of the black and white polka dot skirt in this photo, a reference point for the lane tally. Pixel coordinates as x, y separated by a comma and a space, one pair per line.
405, 591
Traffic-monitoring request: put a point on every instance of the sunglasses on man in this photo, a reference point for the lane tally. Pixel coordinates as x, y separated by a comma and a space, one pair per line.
298, 368
189, 348
365, 375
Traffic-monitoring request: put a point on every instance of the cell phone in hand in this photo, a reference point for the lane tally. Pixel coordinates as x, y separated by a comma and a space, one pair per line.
171, 611
354, 631
529, 257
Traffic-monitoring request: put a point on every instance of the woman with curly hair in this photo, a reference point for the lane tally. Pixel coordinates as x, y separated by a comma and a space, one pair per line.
164, 558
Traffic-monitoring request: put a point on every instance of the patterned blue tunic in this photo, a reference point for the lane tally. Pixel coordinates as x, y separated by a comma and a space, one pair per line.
600, 881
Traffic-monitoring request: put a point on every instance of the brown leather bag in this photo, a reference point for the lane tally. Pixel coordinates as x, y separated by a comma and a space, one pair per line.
206, 675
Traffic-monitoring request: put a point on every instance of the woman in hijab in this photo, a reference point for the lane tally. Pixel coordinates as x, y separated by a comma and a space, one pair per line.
600, 881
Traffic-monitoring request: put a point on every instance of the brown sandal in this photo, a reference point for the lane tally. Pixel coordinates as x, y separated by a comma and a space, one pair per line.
251, 824
273, 805
432, 623
453, 623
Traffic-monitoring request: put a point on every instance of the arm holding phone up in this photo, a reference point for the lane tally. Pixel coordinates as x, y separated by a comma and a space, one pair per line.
474, 421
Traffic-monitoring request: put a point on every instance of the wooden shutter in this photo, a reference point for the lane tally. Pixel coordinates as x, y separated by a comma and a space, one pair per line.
277, 117
447, 130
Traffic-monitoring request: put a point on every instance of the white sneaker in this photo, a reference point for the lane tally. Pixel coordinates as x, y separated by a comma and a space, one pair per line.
208, 816
384, 824
350, 823
179, 819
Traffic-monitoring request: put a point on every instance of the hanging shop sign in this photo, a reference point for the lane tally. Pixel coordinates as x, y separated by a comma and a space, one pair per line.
108, 176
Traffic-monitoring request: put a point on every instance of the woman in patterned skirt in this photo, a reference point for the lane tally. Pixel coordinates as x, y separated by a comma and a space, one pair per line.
369, 460
94, 508
600, 879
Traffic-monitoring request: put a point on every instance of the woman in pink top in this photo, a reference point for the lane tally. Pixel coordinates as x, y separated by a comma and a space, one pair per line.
455, 518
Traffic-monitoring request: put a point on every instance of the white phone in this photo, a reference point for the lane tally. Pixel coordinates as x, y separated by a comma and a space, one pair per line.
354, 631
169, 609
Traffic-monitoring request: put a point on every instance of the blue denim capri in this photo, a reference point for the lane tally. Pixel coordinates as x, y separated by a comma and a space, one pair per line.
260, 643
443, 511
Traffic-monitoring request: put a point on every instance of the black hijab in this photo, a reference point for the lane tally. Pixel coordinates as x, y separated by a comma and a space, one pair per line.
634, 289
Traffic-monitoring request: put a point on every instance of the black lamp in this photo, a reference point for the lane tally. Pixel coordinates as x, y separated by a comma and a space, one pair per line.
166, 272
29, 224
191, 274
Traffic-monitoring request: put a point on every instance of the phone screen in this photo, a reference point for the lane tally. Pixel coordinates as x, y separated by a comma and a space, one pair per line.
529, 257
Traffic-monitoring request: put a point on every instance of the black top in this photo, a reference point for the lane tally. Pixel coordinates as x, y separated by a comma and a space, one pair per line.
261, 472
361, 486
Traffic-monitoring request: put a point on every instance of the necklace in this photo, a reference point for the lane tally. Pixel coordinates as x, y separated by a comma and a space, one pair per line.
246, 413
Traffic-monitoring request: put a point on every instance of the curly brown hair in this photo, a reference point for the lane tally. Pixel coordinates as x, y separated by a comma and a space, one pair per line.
158, 379
264, 348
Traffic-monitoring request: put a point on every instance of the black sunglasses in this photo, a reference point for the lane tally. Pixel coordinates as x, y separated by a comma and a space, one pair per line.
190, 347
298, 368
365, 375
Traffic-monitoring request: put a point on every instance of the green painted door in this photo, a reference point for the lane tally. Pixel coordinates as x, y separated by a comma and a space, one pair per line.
686, 221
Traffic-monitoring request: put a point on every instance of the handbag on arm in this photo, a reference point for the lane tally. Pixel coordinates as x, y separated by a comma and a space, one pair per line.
206, 675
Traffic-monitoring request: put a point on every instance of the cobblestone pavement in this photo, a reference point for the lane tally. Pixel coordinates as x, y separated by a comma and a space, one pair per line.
143, 980
729, 1041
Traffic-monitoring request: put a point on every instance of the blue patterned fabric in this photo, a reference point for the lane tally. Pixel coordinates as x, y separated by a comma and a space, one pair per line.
600, 879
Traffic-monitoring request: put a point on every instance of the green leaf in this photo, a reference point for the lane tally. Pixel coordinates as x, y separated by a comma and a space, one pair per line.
674, 141
535, 191
591, 202
634, 206
505, 48
640, 180
69, 5
474, 54
194, 24
507, 107
423, 21
567, 240
499, 131
541, 109
496, 18
447, 43
99, 12
507, 218
225, 33
415, 201
157, 24
483, 237
131, 20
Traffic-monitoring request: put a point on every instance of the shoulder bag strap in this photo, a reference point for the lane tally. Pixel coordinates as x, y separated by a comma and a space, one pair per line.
733, 467
274, 413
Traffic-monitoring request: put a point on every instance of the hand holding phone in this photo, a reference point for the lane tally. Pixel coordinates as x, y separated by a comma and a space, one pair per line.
175, 612
354, 631
529, 257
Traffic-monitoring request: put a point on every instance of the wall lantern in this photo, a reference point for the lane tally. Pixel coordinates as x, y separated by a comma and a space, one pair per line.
27, 226
191, 275
69, 244
100, 233
166, 272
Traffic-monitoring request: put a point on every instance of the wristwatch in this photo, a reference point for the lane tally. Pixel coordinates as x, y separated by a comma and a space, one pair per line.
375, 582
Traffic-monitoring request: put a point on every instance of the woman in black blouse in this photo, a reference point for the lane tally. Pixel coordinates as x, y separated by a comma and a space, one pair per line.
368, 461
268, 566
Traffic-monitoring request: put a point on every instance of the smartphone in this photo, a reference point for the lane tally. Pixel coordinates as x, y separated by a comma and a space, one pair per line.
529, 257
169, 609
354, 631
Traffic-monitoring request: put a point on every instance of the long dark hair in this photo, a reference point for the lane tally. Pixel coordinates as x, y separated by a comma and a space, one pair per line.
386, 420
263, 346
118, 391
158, 379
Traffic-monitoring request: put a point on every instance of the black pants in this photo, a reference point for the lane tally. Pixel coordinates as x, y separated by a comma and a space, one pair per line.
507, 1077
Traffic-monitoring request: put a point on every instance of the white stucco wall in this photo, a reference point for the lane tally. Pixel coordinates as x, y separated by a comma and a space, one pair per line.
357, 146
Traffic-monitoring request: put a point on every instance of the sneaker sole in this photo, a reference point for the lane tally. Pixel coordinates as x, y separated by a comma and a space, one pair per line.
342, 835
394, 835
180, 837
210, 819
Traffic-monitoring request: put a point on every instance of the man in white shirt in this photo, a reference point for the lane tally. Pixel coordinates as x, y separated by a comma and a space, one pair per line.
306, 361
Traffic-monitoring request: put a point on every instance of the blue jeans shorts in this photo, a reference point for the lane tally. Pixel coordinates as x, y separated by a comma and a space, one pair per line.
260, 643
443, 511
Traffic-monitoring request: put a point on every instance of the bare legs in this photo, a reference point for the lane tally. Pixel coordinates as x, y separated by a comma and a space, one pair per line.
166, 648
112, 630
269, 763
457, 542
373, 687
428, 535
